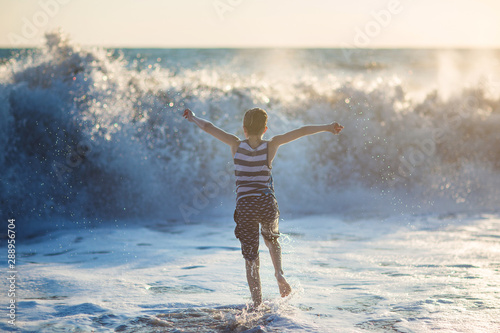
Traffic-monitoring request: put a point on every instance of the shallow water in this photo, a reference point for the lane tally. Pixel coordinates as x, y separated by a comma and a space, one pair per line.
414, 274
124, 210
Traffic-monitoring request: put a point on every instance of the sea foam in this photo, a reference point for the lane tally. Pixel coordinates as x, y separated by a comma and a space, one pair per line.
93, 134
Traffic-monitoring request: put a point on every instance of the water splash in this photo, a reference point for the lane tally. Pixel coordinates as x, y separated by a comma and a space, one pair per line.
90, 133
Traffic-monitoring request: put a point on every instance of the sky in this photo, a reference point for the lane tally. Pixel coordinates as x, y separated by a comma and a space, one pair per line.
255, 23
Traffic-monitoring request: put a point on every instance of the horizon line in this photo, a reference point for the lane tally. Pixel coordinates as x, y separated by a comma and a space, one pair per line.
249, 47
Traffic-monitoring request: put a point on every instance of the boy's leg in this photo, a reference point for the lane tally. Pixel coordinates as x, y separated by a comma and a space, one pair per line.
253, 278
270, 232
275, 252
247, 231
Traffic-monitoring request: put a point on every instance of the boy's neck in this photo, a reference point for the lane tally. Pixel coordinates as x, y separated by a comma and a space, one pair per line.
254, 140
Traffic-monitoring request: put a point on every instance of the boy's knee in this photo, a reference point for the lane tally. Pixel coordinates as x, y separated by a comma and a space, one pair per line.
250, 253
273, 242
270, 234
251, 257
252, 262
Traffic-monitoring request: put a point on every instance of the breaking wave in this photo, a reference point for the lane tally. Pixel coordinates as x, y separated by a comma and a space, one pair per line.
92, 134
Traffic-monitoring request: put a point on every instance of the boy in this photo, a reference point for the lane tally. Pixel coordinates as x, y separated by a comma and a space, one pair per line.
255, 201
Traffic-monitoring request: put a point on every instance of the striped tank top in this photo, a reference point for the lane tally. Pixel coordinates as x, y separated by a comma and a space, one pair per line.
253, 174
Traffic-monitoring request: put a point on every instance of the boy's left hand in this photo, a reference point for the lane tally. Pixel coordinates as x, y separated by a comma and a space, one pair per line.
335, 128
188, 114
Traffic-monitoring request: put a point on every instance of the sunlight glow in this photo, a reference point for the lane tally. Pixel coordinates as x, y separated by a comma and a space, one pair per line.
256, 23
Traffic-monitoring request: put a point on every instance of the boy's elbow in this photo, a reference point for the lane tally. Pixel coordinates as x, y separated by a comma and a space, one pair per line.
206, 126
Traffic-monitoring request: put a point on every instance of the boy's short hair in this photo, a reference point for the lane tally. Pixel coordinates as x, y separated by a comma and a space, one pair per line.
255, 121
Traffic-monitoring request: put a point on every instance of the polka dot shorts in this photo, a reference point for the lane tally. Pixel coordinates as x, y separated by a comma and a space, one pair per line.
251, 212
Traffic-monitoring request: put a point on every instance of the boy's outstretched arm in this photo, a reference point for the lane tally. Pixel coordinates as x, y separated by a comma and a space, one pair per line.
295, 134
227, 138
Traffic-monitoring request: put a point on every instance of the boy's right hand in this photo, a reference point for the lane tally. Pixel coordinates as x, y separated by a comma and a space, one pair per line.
335, 128
189, 115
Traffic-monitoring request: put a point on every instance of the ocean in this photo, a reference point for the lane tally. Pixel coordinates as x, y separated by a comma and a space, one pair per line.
121, 211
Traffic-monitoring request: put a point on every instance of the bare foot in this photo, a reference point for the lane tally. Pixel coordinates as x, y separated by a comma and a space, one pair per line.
285, 288
262, 307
